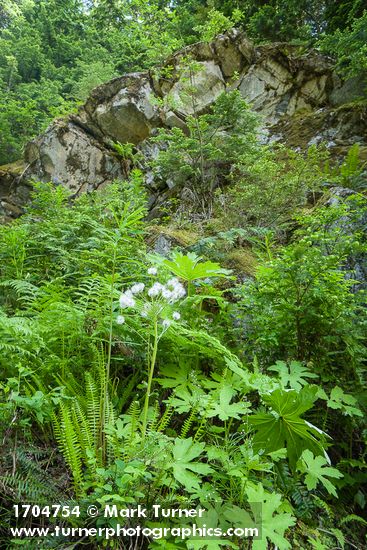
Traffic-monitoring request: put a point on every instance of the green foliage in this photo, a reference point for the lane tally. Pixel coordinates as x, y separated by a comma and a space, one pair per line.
125, 150
267, 188
224, 409
300, 305
351, 171
339, 400
349, 45
201, 160
54, 52
190, 268
217, 23
32, 481
154, 384
286, 428
186, 470
317, 471
274, 520
293, 375
91, 74
79, 426
289, 20
145, 392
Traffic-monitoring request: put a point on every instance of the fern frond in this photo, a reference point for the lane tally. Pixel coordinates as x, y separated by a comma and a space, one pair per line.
113, 449
134, 412
353, 517
25, 291
31, 482
152, 422
69, 445
93, 406
88, 293
129, 385
324, 506
188, 423
166, 418
82, 426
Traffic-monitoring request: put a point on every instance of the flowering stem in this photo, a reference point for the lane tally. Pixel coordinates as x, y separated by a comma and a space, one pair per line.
150, 377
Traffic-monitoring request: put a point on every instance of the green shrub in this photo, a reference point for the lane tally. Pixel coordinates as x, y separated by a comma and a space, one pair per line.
300, 305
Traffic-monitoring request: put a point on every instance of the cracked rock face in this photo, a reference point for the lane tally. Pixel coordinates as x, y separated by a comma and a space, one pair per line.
195, 92
297, 94
67, 155
279, 84
123, 110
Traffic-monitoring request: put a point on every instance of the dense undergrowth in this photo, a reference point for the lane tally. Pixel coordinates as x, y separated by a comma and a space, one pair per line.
132, 378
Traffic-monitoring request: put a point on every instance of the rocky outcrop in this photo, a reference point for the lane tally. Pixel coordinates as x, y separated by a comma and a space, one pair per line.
338, 127
299, 97
67, 154
282, 82
122, 110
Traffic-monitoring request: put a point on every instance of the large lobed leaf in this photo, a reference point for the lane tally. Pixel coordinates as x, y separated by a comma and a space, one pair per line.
190, 267
283, 426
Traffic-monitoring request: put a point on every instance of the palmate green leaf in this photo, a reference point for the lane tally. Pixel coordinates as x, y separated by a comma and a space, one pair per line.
253, 380
224, 409
317, 470
343, 401
190, 267
184, 400
186, 470
283, 425
181, 376
292, 375
205, 494
213, 518
238, 516
274, 523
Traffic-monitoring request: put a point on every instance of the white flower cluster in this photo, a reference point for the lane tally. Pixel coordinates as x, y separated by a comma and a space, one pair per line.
155, 290
127, 299
137, 288
172, 291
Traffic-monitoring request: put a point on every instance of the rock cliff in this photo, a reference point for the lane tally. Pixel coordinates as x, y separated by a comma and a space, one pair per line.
300, 98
